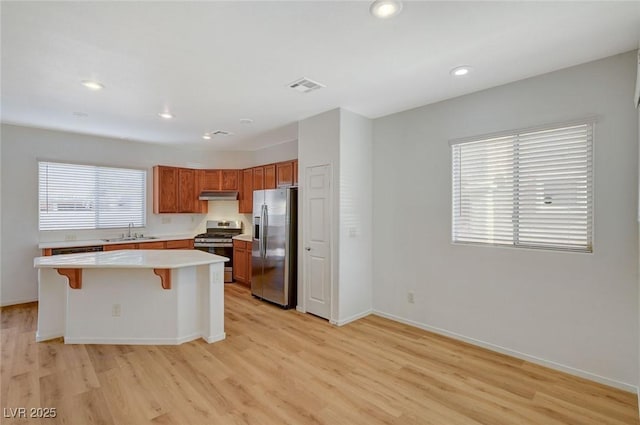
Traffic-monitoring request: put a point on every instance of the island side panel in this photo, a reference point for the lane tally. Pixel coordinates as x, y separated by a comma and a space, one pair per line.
213, 275
121, 306
190, 293
52, 304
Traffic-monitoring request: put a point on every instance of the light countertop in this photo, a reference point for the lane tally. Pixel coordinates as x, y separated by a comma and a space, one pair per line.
93, 242
130, 259
246, 237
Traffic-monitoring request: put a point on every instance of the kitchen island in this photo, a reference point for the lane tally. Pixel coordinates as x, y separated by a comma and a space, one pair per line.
131, 297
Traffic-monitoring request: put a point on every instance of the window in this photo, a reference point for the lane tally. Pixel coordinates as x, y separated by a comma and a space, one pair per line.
75, 196
530, 189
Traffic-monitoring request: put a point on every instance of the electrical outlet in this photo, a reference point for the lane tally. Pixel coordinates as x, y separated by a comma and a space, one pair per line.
69, 238
166, 220
115, 310
410, 297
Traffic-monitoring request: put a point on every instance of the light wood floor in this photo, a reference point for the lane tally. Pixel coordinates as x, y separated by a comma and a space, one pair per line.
283, 367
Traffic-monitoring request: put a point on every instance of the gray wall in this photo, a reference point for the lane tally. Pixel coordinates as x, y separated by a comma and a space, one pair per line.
577, 312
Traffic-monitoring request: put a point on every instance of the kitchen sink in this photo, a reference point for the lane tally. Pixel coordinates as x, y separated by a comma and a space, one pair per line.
130, 238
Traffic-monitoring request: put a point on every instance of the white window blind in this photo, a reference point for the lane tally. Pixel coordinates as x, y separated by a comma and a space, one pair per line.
75, 196
531, 189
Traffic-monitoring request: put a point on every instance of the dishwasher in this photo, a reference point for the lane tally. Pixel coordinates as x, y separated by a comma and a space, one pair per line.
76, 250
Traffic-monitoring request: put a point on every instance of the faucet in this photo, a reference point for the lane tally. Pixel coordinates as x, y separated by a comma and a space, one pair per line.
129, 231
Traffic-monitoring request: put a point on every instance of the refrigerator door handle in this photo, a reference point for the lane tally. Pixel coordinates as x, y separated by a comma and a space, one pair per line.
265, 229
262, 245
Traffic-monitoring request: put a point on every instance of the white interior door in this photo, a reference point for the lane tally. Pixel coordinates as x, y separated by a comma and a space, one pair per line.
317, 246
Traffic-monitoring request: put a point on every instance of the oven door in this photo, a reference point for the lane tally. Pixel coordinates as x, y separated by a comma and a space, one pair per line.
224, 251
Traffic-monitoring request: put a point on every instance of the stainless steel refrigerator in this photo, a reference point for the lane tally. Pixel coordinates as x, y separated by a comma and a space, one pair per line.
274, 251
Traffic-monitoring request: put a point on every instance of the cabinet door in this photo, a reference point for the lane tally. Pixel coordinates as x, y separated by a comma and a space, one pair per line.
180, 244
230, 180
249, 262
270, 176
202, 206
210, 180
258, 178
295, 172
284, 174
165, 189
187, 199
152, 245
246, 193
239, 261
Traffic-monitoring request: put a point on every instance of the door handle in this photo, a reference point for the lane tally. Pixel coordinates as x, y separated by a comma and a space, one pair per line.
308, 248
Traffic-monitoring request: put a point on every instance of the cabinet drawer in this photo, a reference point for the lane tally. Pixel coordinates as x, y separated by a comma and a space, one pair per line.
152, 245
120, 246
180, 244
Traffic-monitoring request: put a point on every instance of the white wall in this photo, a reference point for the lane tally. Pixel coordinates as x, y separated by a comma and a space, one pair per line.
319, 144
276, 153
343, 140
577, 312
355, 227
22, 147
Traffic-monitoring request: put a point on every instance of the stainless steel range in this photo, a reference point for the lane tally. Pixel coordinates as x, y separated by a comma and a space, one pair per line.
218, 240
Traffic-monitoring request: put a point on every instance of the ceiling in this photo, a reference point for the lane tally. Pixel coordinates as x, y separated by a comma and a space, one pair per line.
214, 63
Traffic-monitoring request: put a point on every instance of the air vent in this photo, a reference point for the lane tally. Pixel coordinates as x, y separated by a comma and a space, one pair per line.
305, 85
221, 133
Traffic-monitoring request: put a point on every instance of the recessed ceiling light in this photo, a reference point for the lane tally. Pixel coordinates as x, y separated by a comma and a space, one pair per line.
246, 121
206, 136
165, 115
461, 71
385, 8
92, 85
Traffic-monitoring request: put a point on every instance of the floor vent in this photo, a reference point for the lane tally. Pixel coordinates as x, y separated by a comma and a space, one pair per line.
305, 85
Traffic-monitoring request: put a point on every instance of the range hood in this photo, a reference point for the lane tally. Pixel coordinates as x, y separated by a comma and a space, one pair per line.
218, 195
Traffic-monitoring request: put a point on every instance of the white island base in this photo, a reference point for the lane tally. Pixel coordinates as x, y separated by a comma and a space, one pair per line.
131, 297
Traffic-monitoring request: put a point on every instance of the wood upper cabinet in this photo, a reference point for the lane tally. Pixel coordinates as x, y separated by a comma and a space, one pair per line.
187, 196
175, 190
258, 178
246, 192
220, 180
230, 180
284, 174
210, 179
270, 176
165, 189
295, 172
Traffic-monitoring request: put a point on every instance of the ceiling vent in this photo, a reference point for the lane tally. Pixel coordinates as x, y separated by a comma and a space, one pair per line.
305, 85
221, 133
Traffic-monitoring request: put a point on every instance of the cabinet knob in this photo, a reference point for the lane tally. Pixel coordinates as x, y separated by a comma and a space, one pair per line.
308, 248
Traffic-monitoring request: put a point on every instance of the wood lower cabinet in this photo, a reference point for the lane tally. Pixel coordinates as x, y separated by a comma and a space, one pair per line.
242, 262
117, 247
180, 244
152, 245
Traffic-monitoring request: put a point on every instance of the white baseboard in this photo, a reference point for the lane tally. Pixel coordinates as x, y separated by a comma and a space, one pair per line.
136, 341
16, 302
215, 338
533, 359
300, 309
353, 318
46, 337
